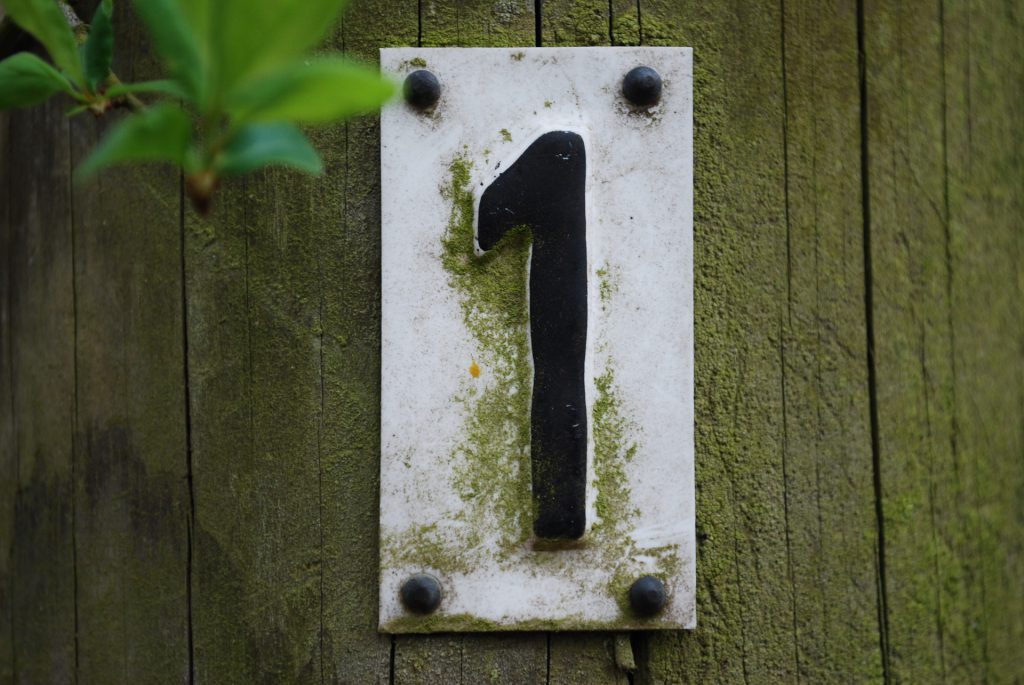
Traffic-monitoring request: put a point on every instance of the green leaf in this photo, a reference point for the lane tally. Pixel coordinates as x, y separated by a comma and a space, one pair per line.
45, 20
26, 80
164, 87
176, 42
251, 38
197, 14
318, 92
159, 134
259, 145
98, 52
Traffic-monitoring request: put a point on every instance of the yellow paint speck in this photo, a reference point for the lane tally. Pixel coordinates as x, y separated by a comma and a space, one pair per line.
474, 370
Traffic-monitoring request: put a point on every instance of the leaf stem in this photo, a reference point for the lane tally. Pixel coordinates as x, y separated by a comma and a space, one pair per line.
127, 100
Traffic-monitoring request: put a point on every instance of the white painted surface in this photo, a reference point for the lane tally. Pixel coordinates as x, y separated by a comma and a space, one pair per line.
639, 236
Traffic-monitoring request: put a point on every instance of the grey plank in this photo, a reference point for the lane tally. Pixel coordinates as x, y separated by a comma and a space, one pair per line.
830, 502
347, 214
8, 427
745, 593
43, 378
131, 486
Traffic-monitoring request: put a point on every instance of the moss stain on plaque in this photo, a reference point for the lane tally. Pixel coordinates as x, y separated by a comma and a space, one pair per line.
467, 623
429, 550
612, 451
607, 284
492, 460
493, 472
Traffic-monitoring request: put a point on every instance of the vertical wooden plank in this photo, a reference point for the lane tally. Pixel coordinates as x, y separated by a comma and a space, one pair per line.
511, 657
218, 366
586, 657
131, 523
626, 22
265, 468
934, 620
428, 659
745, 593
8, 435
583, 658
504, 658
830, 502
983, 47
472, 23
590, 22
575, 22
348, 217
418, 659
42, 344
254, 371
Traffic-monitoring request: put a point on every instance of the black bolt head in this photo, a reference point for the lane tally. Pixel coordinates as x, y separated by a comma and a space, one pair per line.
642, 86
421, 594
421, 89
647, 596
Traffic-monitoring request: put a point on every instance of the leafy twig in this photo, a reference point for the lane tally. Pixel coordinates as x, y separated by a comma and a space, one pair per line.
239, 69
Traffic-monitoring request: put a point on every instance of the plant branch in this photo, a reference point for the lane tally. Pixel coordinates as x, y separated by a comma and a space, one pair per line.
81, 31
78, 27
127, 100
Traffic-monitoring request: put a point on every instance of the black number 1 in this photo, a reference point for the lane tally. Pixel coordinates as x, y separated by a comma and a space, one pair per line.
544, 190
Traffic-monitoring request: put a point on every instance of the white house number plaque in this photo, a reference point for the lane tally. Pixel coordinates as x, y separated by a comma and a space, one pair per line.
537, 340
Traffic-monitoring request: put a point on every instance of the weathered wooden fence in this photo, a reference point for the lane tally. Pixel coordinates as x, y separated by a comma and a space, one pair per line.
189, 408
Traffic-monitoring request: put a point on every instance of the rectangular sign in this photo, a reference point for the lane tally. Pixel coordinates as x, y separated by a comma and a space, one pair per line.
537, 441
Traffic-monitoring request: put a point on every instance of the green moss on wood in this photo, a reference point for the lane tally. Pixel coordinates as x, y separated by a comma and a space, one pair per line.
576, 22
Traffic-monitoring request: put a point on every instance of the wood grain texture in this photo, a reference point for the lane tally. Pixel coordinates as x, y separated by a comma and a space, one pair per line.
346, 212
424, 659
746, 597
829, 501
131, 487
567, 23
255, 380
817, 304
586, 657
509, 657
935, 618
8, 437
43, 379
477, 23
911, 338
983, 74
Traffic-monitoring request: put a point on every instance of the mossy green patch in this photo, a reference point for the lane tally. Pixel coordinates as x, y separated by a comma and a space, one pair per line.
493, 476
580, 23
612, 451
626, 29
505, 135
491, 460
607, 284
425, 547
